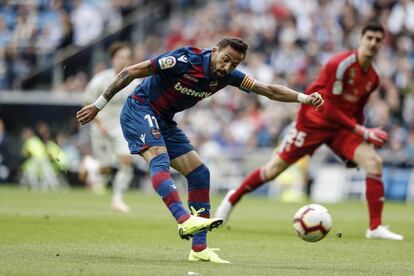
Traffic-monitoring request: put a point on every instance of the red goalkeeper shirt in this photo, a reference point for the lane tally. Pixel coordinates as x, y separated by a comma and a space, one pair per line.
345, 87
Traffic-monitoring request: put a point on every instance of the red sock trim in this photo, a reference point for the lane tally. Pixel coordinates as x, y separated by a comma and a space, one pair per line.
377, 177
160, 177
171, 198
183, 218
199, 247
199, 195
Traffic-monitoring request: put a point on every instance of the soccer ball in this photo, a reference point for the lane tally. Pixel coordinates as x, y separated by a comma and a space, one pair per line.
312, 222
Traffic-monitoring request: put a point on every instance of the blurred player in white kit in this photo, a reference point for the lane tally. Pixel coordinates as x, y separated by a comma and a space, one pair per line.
108, 143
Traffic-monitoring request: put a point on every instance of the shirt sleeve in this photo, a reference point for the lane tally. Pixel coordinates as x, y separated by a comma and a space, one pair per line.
239, 79
173, 62
93, 90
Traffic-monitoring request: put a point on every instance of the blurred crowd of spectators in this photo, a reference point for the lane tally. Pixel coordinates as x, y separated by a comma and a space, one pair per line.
31, 31
289, 42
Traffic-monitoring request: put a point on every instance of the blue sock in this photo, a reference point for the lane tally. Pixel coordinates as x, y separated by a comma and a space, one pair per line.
199, 197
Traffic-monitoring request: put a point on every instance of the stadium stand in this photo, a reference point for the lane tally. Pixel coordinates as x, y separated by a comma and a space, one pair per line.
44, 45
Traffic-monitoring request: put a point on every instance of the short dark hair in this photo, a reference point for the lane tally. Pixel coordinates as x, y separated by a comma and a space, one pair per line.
116, 46
374, 26
234, 42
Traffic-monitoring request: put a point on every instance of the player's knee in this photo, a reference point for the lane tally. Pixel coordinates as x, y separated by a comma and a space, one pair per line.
377, 160
105, 170
159, 163
274, 167
373, 164
125, 168
125, 160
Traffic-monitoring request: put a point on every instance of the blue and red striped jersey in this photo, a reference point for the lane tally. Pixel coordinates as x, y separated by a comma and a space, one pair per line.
183, 78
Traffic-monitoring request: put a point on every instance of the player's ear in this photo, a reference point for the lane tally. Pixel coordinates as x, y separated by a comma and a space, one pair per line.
214, 50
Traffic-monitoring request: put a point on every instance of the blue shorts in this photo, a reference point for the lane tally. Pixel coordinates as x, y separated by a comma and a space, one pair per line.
144, 128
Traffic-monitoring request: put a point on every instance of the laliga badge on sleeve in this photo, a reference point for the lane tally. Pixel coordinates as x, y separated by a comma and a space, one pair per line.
337, 87
167, 62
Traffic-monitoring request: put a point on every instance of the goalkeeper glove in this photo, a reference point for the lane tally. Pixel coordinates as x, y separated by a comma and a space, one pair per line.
376, 136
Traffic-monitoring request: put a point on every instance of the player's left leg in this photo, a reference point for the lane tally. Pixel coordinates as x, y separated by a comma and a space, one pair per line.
198, 177
352, 147
367, 159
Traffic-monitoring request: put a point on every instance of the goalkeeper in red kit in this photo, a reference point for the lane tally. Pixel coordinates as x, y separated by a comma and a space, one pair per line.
345, 83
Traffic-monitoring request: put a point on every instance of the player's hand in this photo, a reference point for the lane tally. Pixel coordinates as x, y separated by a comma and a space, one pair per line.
86, 114
315, 99
378, 137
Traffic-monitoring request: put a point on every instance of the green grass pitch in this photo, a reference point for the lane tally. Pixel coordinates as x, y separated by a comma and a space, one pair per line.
74, 232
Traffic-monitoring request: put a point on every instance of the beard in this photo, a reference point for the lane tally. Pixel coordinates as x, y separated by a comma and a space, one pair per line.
215, 73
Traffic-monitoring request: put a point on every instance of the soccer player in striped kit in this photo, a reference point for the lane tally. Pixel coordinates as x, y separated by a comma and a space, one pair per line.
176, 81
345, 83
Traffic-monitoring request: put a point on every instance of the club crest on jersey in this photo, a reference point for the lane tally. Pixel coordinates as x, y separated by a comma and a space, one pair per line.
213, 85
167, 62
156, 133
337, 87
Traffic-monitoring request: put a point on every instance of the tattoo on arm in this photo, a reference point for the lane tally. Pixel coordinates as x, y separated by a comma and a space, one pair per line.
121, 81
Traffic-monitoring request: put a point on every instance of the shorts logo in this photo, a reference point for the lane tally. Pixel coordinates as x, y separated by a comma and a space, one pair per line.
167, 62
142, 138
156, 133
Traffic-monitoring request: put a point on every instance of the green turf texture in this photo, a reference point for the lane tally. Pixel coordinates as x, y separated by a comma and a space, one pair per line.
75, 233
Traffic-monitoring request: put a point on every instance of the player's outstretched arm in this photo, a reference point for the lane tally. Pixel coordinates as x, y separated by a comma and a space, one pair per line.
284, 94
125, 77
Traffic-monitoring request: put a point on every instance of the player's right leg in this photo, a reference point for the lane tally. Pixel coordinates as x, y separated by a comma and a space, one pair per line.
298, 142
257, 178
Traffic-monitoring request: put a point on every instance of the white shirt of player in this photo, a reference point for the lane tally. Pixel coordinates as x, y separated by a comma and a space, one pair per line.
109, 116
